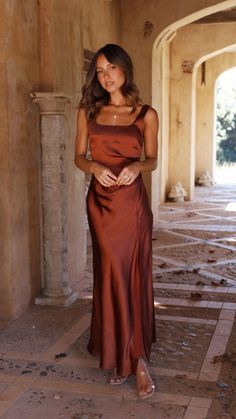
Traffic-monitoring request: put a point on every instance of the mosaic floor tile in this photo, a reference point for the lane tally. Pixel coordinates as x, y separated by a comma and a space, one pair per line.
52, 404
197, 253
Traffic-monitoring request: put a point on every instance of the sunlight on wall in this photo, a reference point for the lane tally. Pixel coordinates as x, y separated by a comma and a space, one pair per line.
231, 206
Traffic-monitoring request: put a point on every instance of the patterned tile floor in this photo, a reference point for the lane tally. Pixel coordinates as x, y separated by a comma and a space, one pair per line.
46, 372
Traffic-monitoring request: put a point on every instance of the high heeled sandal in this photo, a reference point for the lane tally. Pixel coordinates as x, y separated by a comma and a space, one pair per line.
141, 384
117, 380
150, 387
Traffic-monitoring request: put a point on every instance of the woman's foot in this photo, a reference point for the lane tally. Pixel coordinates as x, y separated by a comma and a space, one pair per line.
115, 379
145, 384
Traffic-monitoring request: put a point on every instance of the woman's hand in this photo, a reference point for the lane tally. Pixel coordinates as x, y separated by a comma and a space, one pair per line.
104, 175
128, 174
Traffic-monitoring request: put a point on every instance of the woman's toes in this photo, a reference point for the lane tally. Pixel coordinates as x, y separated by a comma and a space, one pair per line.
116, 379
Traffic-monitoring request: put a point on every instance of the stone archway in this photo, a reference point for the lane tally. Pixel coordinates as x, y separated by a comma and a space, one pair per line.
205, 109
160, 97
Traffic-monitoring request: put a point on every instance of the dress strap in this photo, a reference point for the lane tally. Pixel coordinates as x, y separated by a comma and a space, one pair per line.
142, 112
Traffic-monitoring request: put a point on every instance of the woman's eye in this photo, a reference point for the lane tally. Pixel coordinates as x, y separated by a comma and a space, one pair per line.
99, 72
113, 67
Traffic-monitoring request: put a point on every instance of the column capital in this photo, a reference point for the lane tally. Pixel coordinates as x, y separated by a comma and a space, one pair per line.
50, 103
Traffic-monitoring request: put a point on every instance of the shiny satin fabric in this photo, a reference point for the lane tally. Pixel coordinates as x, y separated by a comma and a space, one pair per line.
120, 221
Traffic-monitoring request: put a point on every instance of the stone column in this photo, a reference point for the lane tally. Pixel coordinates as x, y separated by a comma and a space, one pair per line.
56, 291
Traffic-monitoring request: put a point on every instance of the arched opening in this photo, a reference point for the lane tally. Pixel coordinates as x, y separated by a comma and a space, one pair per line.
160, 95
206, 72
225, 128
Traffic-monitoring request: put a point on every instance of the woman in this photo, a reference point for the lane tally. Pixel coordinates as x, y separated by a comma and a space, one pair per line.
118, 126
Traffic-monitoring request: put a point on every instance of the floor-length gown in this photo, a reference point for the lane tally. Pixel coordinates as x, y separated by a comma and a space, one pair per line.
120, 221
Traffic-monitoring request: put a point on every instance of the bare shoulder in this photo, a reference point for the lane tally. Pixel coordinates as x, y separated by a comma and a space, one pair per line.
151, 116
82, 120
82, 114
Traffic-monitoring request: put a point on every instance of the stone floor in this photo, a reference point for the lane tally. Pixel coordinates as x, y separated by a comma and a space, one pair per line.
46, 372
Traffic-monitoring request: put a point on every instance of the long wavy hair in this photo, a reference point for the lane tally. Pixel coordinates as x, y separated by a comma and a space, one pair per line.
94, 97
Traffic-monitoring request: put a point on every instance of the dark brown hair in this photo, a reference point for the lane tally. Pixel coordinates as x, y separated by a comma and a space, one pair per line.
94, 97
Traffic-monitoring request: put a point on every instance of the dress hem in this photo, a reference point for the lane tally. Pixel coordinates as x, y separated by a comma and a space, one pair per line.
123, 373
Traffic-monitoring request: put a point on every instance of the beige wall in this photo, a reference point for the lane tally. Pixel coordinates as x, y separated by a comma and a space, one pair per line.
165, 16
191, 43
205, 121
19, 159
5, 216
161, 13
61, 70
41, 50
101, 24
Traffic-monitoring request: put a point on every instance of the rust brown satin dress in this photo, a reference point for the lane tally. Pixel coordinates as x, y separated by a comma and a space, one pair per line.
120, 221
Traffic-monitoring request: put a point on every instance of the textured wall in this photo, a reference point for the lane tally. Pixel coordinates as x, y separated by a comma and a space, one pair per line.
205, 138
19, 164
142, 22
191, 43
101, 24
84, 26
161, 14
61, 71
41, 49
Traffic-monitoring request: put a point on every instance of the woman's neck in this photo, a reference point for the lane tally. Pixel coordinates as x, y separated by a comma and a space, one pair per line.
117, 99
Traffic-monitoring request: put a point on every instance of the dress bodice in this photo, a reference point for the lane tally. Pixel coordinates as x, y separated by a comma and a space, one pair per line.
115, 146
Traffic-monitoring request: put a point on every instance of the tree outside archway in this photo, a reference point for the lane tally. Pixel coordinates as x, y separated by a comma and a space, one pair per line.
226, 127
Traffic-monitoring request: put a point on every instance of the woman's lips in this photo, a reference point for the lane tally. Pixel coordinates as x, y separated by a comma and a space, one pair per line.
109, 83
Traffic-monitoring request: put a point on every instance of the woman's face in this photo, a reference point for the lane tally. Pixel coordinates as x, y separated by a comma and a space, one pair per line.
110, 76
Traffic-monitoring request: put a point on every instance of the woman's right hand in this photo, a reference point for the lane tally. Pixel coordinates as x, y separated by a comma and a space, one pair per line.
104, 175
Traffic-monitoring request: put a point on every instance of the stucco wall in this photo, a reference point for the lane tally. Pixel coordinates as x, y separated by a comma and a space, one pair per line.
84, 26
41, 50
19, 164
205, 123
192, 43
101, 24
161, 13
5, 216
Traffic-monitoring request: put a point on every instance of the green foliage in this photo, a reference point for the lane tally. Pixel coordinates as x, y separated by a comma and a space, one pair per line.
226, 125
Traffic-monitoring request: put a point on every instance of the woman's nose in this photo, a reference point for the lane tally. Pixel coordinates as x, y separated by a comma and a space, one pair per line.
106, 74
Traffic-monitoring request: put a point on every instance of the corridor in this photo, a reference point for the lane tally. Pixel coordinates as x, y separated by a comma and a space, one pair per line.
46, 372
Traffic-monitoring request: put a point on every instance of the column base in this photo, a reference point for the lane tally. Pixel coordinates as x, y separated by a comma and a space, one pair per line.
63, 301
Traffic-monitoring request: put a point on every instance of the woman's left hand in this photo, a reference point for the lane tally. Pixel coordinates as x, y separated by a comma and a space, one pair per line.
128, 174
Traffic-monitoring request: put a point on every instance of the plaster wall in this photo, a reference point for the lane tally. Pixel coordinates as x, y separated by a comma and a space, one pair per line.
5, 245
84, 26
19, 158
205, 120
101, 24
164, 16
61, 71
161, 14
41, 50
190, 44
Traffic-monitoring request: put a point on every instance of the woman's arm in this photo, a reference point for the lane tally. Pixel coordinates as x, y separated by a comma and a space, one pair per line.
81, 144
103, 174
129, 173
